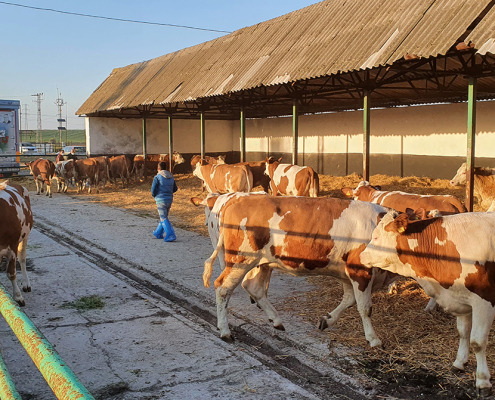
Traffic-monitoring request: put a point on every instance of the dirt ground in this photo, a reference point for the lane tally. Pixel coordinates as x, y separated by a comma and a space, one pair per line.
419, 347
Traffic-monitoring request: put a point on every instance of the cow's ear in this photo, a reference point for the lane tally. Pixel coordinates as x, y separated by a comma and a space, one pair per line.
27, 164
280, 159
4, 184
399, 224
347, 191
419, 214
197, 201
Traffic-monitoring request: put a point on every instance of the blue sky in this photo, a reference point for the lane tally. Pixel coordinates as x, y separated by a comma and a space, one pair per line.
43, 50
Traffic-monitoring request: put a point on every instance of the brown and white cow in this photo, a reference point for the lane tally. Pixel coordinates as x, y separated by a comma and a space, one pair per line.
120, 166
43, 172
400, 201
210, 160
86, 170
64, 172
17, 222
103, 170
224, 178
258, 169
151, 163
453, 259
292, 180
262, 232
484, 185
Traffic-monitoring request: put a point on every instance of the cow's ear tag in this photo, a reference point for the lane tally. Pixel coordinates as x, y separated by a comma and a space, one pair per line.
349, 193
401, 229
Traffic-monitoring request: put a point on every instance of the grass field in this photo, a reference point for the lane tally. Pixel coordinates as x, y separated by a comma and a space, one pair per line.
74, 137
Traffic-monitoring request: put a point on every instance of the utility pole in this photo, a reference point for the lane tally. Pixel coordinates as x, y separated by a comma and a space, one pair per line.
39, 98
60, 103
26, 111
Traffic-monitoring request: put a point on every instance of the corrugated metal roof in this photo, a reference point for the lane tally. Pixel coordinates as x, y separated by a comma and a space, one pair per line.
483, 35
326, 38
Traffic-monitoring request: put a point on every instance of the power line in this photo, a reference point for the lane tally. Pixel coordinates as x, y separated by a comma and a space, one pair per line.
112, 19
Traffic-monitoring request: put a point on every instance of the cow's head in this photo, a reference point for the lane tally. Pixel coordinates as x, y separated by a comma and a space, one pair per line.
381, 251
178, 158
362, 192
197, 169
460, 176
271, 161
4, 184
207, 203
221, 159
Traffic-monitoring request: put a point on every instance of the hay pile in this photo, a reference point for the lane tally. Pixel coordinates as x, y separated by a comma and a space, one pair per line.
417, 345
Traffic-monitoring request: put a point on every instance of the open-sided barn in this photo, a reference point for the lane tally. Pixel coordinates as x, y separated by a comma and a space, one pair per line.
355, 86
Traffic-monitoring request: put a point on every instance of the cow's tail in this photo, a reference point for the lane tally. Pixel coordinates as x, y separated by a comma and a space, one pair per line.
457, 204
249, 179
209, 263
314, 189
107, 168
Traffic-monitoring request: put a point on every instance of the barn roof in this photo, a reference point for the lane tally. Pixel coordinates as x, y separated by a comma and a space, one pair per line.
324, 54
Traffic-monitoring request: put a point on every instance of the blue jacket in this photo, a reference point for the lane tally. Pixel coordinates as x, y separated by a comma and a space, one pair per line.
163, 187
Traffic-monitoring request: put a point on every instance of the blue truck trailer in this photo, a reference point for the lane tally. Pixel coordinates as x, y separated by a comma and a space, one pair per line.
9, 138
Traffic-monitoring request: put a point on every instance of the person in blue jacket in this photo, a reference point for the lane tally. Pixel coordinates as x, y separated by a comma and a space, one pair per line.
162, 190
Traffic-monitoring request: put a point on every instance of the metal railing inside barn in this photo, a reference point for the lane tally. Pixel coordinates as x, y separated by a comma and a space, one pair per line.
56, 372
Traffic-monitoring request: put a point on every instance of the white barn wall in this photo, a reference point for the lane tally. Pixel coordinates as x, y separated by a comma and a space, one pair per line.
420, 140
125, 136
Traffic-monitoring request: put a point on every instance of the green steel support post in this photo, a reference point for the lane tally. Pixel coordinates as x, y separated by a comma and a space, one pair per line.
366, 136
471, 138
170, 143
203, 142
295, 130
8, 390
243, 134
56, 372
144, 148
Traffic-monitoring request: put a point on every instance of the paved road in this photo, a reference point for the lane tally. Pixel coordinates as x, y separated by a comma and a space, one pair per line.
155, 338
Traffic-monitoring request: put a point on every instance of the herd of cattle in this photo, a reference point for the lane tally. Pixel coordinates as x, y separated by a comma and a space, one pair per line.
365, 242
95, 170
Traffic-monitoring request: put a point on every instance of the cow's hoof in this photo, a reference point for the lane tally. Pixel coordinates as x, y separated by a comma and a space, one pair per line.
322, 323
227, 338
456, 370
50, 196
37, 194
483, 392
280, 327
375, 343
21, 303
26, 289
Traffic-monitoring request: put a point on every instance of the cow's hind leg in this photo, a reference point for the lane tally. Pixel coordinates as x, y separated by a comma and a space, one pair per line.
464, 329
21, 251
225, 284
348, 300
38, 190
482, 320
256, 283
48, 187
11, 274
